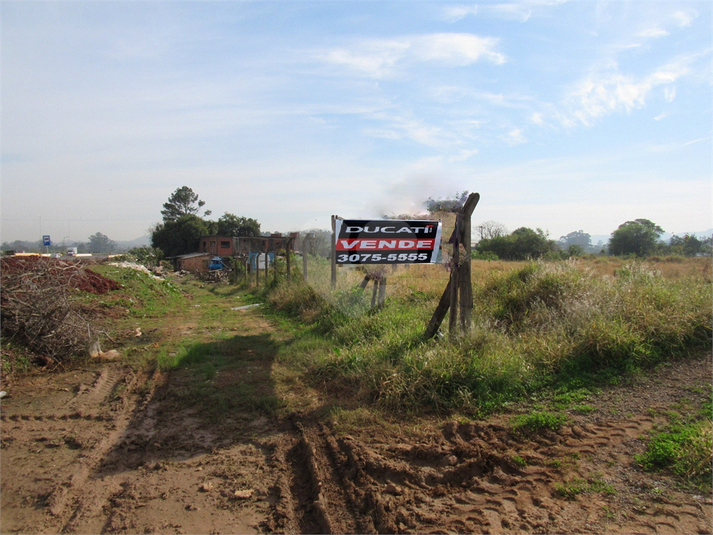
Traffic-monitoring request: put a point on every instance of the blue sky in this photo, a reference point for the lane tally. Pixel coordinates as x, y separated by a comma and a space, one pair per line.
562, 115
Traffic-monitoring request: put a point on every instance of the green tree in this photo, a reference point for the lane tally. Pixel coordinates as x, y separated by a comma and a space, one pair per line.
184, 201
688, 245
232, 225
100, 243
578, 237
522, 244
638, 237
180, 236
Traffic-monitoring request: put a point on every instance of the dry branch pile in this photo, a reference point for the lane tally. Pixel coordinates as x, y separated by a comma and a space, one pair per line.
39, 308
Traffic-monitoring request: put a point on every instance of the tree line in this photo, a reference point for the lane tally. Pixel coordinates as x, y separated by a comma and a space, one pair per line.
640, 238
183, 225
96, 243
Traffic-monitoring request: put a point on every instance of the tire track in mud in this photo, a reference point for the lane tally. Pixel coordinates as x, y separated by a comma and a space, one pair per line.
90, 423
89, 499
74, 499
311, 486
94, 396
473, 477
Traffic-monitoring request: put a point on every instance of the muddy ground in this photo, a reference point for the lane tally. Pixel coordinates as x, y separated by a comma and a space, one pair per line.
102, 449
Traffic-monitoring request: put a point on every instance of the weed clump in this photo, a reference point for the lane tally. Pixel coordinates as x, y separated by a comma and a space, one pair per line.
685, 449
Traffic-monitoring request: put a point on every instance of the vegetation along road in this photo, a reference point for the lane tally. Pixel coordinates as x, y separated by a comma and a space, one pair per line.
580, 402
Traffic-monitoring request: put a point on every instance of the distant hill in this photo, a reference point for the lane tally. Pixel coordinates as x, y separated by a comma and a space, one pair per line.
143, 241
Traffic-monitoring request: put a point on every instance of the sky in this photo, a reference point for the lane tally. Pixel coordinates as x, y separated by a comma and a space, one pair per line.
564, 116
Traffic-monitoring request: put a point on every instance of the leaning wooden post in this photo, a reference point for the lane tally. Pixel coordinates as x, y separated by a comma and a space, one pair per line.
288, 250
304, 257
440, 312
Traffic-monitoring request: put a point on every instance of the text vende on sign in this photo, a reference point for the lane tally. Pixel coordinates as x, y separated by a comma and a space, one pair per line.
390, 241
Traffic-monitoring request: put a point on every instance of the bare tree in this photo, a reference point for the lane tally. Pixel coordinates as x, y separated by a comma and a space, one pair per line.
491, 229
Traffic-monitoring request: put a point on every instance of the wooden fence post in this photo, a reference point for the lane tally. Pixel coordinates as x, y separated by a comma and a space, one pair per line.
373, 293
455, 275
466, 288
267, 265
460, 279
334, 252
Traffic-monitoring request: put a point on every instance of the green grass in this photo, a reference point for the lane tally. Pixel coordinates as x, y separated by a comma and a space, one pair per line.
536, 326
141, 294
218, 364
686, 450
538, 421
685, 444
571, 489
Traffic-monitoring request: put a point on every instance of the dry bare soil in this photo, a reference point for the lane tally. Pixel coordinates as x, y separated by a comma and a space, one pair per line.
105, 449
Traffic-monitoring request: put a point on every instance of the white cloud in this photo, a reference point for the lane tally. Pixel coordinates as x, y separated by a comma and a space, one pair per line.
685, 18
406, 126
375, 58
457, 49
514, 137
463, 155
378, 58
519, 11
600, 94
669, 93
653, 32
456, 13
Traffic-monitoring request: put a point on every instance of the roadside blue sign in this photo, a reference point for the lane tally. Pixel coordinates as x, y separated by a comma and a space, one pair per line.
46, 240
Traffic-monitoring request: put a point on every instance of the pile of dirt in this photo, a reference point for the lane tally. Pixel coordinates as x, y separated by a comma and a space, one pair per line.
56, 272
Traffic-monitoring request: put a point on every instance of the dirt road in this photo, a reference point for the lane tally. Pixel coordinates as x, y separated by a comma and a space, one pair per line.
103, 449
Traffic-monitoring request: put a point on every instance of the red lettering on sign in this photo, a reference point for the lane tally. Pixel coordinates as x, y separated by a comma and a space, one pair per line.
384, 245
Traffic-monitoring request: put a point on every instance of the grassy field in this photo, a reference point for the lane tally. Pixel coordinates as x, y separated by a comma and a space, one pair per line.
562, 324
